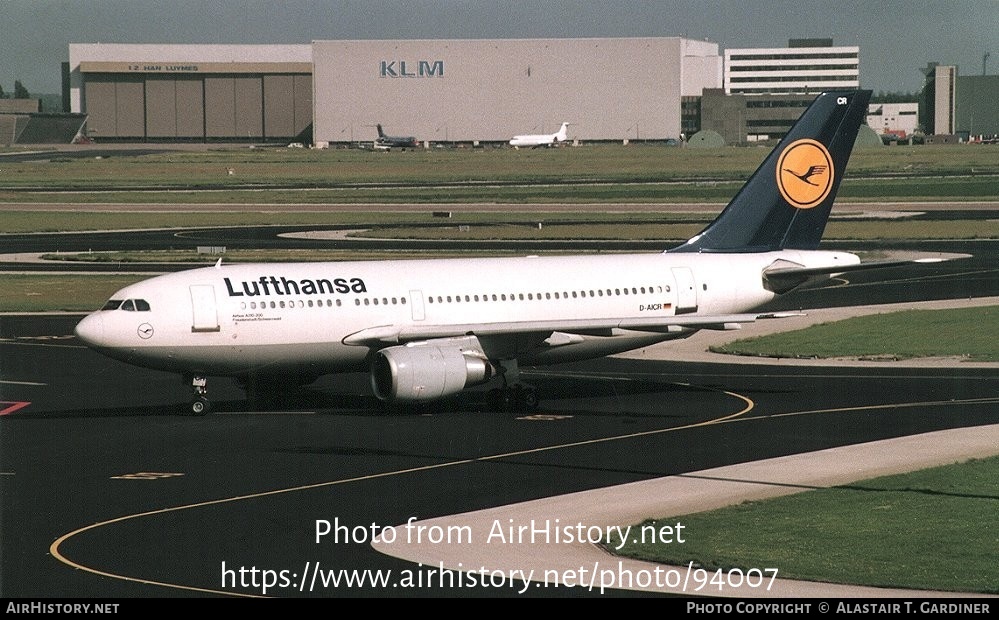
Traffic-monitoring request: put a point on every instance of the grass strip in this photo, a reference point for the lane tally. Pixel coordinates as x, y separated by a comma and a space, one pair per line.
58, 292
497, 224
968, 333
271, 215
593, 173
933, 529
628, 191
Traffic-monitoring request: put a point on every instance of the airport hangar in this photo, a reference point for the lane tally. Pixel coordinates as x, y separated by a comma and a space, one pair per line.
198, 93
331, 92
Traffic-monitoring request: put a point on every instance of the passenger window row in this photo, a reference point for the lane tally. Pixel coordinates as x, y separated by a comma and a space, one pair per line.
441, 299
615, 292
263, 305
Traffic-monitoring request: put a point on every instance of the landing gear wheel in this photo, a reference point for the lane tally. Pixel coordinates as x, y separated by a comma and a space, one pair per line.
527, 399
512, 399
200, 406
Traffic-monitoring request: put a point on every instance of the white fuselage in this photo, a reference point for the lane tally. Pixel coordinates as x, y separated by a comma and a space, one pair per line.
282, 318
532, 140
541, 139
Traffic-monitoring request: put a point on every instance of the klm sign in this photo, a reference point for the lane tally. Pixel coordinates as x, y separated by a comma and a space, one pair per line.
403, 69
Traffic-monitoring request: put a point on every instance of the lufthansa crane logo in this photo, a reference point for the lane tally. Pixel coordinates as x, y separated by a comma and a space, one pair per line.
805, 173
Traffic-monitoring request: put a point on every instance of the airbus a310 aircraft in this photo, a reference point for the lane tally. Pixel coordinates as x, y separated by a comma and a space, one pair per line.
544, 139
427, 329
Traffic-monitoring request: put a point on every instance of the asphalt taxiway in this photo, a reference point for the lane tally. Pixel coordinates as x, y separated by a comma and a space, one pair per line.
107, 491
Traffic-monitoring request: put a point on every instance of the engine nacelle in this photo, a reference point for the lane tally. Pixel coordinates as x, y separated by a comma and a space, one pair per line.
428, 370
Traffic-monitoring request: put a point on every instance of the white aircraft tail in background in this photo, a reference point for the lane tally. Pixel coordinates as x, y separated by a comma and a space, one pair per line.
536, 140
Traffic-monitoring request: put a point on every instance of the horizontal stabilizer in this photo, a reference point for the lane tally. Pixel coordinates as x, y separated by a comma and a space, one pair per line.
783, 279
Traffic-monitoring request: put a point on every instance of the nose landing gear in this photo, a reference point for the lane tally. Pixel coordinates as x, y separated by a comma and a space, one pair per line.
200, 405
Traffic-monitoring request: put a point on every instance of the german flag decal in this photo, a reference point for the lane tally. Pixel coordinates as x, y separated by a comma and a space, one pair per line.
805, 173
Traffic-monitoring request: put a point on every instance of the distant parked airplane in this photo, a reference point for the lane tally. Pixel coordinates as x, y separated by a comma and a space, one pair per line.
536, 140
394, 142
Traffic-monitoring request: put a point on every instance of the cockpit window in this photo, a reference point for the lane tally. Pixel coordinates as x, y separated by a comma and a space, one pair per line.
130, 305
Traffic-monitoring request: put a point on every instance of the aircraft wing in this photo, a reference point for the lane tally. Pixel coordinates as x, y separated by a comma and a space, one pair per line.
396, 334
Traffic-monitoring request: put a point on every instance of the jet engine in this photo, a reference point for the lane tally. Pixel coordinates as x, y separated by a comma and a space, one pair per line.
428, 370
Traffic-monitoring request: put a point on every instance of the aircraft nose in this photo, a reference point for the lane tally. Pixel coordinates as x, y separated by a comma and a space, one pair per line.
91, 330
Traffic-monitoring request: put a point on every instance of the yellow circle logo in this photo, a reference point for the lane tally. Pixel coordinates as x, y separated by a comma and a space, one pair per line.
805, 173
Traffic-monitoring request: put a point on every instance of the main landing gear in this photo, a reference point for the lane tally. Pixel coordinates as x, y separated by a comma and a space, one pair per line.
200, 405
513, 396
517, 398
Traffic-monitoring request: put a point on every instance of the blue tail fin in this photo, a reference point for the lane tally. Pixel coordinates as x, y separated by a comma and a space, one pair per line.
786, 203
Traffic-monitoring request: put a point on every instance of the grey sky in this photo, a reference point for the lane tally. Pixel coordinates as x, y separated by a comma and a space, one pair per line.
896, 37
